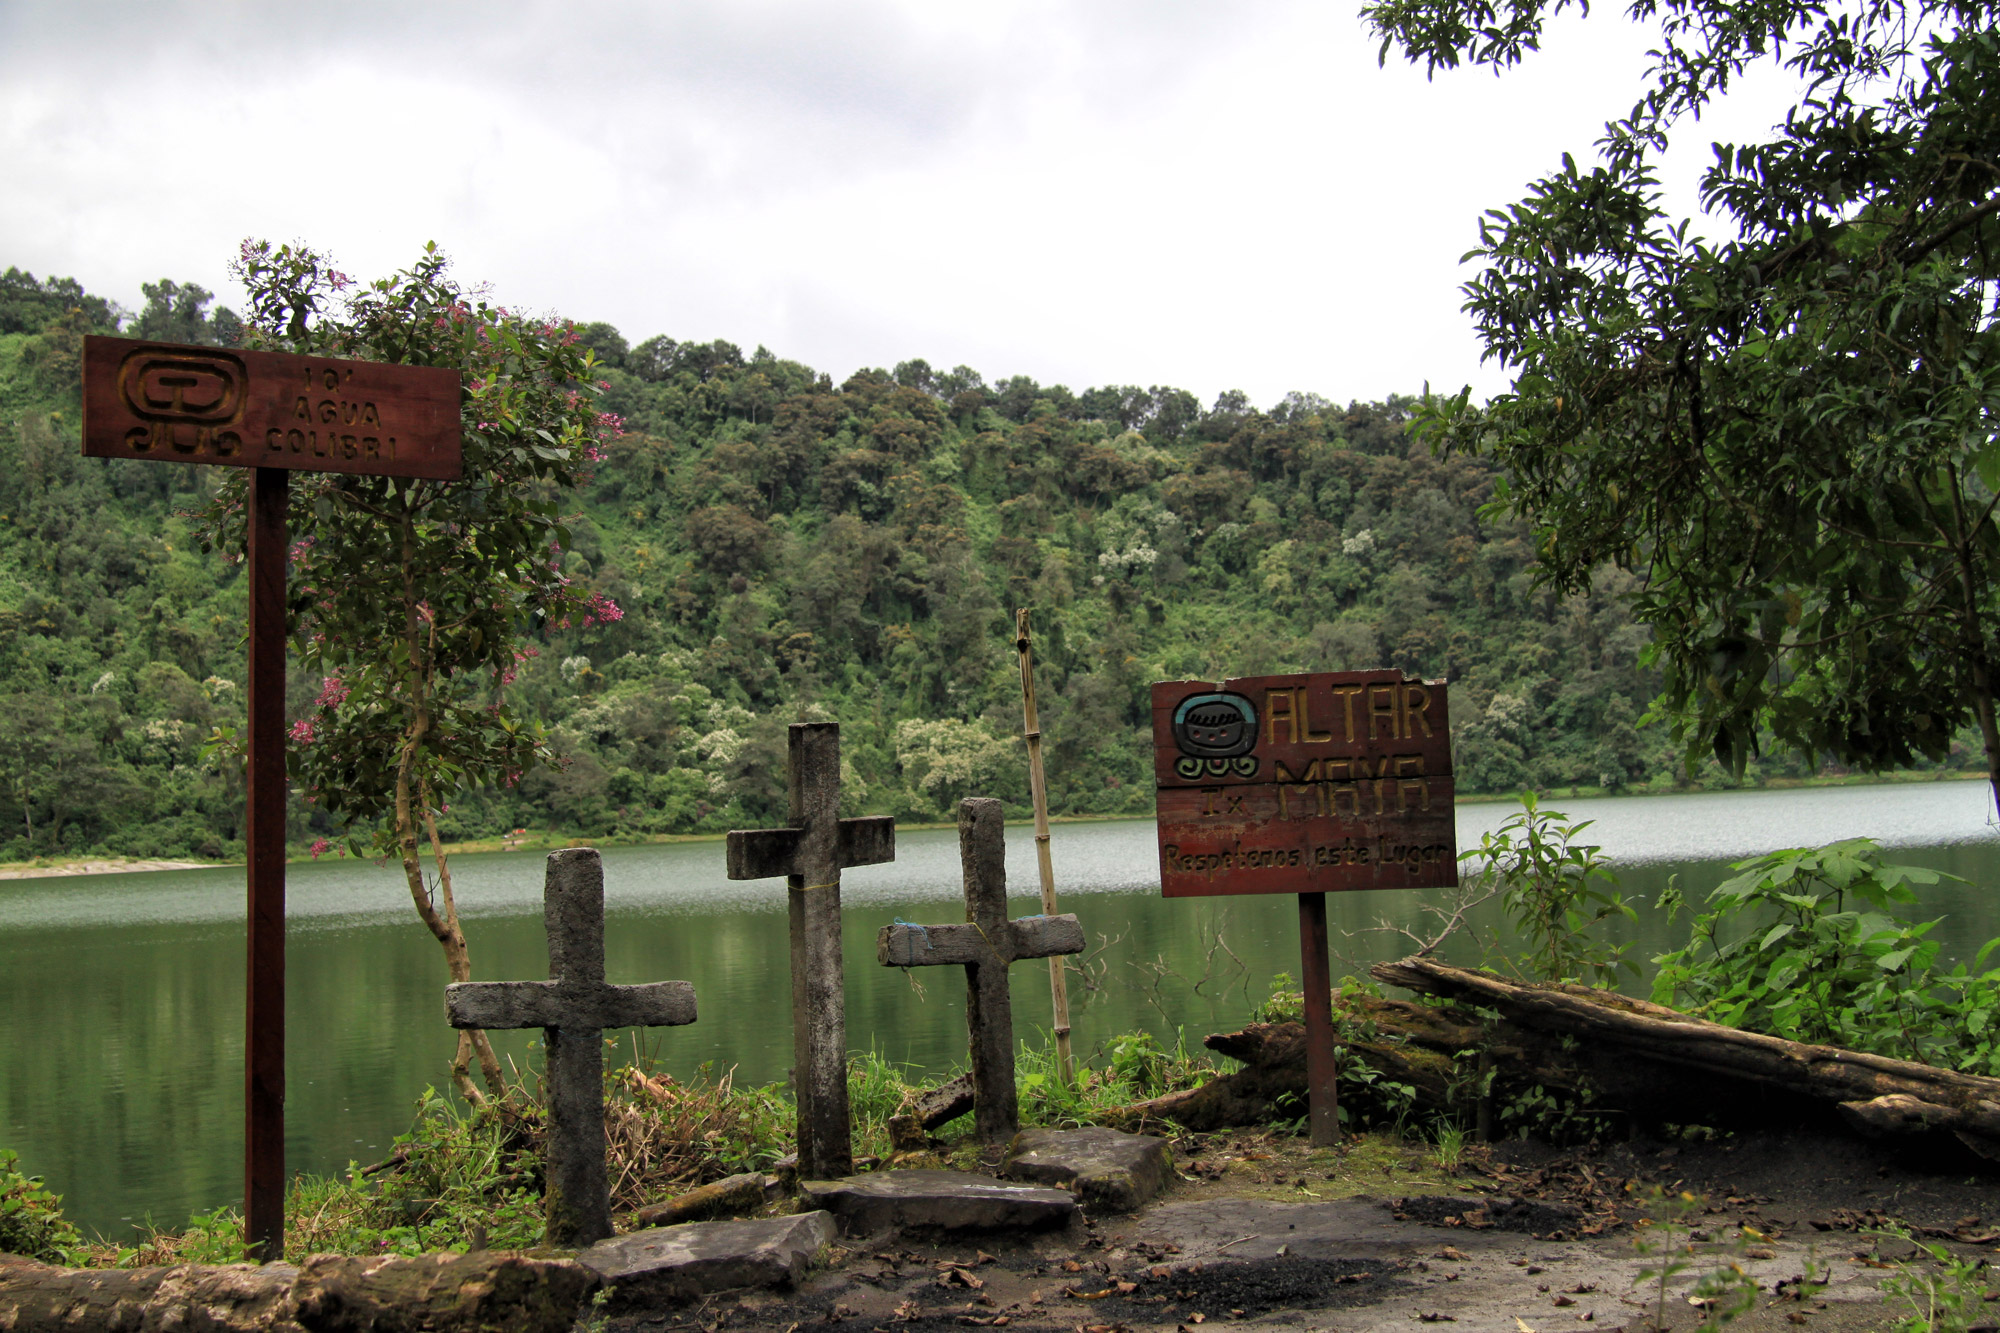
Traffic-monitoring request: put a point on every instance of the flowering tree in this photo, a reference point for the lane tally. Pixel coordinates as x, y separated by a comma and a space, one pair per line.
411, 598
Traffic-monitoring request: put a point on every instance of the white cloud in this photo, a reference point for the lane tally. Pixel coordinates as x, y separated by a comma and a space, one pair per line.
1210, 196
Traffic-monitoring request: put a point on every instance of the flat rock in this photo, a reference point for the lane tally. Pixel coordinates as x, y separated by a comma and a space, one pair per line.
1106, 1168
937, 1201
645, 1268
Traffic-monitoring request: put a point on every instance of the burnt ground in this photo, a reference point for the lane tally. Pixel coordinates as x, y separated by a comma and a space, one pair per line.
1263, 1230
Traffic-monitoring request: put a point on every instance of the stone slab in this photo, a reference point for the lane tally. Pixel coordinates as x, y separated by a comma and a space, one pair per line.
660, 1264
1106, 1168
937, 1201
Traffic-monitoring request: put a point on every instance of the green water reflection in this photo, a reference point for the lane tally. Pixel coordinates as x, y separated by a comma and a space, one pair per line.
121, 996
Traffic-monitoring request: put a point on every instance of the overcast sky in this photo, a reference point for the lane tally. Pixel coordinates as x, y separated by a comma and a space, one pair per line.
1213, 196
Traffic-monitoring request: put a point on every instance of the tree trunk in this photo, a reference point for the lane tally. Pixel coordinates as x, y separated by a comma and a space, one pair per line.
448, 1293
1874, 1094
1604, 1053
489, 1063
412, 805
445, 929
1975, 642
1982, 708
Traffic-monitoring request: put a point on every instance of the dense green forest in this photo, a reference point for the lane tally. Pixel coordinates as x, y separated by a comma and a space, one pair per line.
785, 548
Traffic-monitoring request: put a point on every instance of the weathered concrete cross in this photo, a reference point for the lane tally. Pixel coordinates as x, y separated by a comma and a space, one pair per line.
573, 1008
985, 945
811, 853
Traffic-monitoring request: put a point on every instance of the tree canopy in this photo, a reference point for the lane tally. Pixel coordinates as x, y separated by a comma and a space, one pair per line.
1787, 430
787, 547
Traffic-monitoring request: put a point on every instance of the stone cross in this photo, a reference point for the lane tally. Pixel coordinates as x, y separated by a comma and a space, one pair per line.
985, 945
811, 852
572, 1008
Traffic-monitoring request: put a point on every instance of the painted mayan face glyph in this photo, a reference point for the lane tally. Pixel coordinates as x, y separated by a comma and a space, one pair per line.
1215, 726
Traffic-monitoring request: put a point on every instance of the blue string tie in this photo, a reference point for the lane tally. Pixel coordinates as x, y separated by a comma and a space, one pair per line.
926, 942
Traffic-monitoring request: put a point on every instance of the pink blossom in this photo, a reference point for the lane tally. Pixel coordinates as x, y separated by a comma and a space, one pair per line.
333, 693
302, 731
318, 847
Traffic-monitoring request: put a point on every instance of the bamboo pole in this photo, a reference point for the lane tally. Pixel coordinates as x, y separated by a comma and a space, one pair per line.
1038, 787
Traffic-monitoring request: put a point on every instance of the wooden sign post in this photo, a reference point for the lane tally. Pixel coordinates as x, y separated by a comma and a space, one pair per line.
1307, 784
277, 413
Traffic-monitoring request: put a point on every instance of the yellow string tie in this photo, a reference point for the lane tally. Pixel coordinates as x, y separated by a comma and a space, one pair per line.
830, 884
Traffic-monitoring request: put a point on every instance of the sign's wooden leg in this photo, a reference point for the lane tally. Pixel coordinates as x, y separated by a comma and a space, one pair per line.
264, 836
1317, 974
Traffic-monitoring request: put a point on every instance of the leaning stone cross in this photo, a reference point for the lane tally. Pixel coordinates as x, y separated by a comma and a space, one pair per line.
811, 852
573, 1007
985, 945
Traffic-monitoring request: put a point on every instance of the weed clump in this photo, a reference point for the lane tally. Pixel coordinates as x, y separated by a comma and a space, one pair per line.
31, 1220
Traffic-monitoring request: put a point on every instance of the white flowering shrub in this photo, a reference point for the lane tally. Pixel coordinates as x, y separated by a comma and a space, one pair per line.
948, 760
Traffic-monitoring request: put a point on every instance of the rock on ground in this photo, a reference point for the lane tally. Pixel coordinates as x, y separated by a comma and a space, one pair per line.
660, 1264
936, 1201
1106, 1168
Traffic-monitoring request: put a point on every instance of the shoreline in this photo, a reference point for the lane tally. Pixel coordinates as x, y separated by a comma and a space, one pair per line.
98, 866
46, 867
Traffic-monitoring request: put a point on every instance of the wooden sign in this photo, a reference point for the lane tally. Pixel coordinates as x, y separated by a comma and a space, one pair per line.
275, 413
1320, 783
223, 405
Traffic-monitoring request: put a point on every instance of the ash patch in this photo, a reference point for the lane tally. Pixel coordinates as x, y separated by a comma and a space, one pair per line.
1252, 1286
1543, 1221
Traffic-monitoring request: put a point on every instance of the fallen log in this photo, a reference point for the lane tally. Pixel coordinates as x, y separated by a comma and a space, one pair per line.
227, 1298
731, 1196
1411, 1045
947, 1101
1875, 1094
327, 1293
1425, 1061
1582, 1064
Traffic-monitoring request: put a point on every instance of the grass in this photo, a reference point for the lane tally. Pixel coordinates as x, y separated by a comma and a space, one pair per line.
465, 1177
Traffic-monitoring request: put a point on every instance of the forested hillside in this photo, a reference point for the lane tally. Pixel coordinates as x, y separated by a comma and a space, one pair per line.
786, 548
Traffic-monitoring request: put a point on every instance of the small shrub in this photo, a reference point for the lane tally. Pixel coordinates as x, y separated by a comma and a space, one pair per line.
31, 1220
1666, 1239
1947, 1294
1129, 1067
1557, 891
1816, 945
1284, 1004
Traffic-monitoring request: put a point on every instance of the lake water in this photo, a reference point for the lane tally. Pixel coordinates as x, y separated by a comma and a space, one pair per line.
121, 995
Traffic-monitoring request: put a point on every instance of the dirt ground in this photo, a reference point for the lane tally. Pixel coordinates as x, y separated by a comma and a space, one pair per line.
1262, 1231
